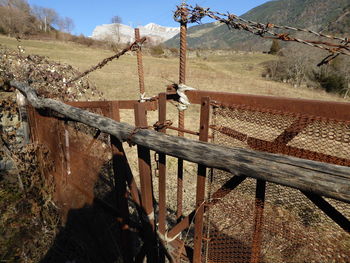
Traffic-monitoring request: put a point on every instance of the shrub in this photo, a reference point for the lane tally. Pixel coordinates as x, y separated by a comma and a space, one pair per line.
330, 80
294, 70
86, 41
157, 51
275, 47
174, 51
299, 69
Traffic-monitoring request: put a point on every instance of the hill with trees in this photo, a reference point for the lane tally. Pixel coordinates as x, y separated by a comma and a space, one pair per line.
18, 18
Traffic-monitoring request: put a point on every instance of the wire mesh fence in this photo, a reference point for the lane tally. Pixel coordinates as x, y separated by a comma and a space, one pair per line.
284, 226
305, 136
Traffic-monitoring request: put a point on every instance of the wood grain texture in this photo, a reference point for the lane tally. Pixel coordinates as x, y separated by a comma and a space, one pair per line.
319, 178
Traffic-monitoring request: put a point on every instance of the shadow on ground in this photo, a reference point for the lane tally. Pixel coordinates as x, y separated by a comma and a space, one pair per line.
91, 234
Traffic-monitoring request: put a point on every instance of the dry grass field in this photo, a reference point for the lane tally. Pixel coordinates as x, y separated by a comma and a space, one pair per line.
218, 71
239, 73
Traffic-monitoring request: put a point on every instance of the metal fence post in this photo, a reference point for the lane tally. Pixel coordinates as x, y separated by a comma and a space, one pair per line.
139, 63
162, 173
144, 160
181, 124
201, 178
258, 220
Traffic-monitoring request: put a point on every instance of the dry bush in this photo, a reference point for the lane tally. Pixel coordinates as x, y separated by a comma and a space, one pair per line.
82, 40
28, 217
174, 51
16, 21
295, 70
50, 79
298, 69
156, 51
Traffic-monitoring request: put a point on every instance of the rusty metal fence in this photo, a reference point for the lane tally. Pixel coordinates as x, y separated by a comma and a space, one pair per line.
270, 223
237, 219
233, 218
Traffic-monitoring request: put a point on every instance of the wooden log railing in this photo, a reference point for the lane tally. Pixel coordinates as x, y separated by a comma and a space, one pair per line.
308, 176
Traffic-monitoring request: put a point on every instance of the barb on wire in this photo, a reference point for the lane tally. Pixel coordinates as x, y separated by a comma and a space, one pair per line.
197, 13
132, 47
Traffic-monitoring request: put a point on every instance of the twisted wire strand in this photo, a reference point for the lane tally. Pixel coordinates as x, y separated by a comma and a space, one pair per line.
198, 9
195, 14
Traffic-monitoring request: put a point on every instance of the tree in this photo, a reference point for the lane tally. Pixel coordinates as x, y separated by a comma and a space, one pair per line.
47, 16
66, 24
15, 17
38, 13
275, 47
117, 20
21, 5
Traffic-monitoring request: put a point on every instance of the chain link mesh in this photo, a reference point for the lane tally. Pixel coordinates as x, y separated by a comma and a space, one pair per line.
291, 228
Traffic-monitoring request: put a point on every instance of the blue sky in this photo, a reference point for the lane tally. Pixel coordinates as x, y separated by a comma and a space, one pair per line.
88, 14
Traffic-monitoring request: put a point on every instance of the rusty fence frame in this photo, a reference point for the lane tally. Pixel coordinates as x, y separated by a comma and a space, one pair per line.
319, 109
162, 242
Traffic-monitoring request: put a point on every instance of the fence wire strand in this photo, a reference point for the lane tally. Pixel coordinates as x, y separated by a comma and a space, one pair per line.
197, 13
134, 46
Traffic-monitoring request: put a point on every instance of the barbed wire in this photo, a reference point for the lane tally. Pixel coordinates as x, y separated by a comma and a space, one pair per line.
319, 34
135, 45
197, 13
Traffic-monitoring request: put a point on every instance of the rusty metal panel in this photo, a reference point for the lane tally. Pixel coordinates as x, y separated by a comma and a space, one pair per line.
162, 169
144, 167
78, 152
48, 132
90, 104
129, 104
301, 135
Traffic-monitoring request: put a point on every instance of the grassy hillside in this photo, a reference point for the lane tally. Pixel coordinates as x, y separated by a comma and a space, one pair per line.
231, 72
319, 15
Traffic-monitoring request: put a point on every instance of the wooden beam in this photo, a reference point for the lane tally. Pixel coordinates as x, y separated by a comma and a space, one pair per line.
320, 178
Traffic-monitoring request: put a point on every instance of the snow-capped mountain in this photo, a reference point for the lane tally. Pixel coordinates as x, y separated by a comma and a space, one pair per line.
125, 34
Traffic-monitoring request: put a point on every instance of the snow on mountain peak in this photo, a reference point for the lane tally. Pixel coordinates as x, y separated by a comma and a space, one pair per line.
124, 34
150, 25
